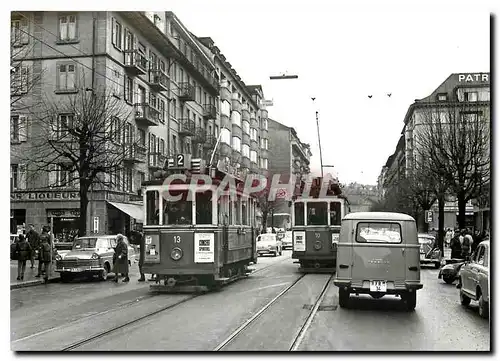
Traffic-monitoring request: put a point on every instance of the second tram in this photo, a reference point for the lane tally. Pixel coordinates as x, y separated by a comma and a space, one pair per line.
201, 241
316, 227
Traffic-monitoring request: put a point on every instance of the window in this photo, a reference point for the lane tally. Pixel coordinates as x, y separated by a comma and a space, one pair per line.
236, 144
66, 77
204, 208
244, 212
162, 146
19, 32
18, 128
152, 207
470, 96
116, 84
263, 143
442, 97
60, 176
174, 144
67, 27
253, 156
17, 176
225, 108
20, 80
335, 213
178, 211
129, 89
245, 149
263, 163
246, 127
317, 213
264, 123
216, 131
116, 34
127, 180
142, 179
173, 110
129, 40
225, 136
253, 134
236, 118
63, 123
299, 210
142, 136
161, 108
380, 232
127, 133
115, 131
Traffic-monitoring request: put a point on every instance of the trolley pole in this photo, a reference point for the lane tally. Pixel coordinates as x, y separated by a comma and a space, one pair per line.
319, 144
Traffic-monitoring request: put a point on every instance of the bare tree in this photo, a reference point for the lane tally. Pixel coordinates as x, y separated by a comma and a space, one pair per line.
82, 140
456, 140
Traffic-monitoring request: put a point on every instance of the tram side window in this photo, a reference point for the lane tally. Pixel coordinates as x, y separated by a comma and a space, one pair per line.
178, 211
152, 207
299, 214
231, 206
204, 208
223, 206
237, 211
317, 214
335, 213
244, 213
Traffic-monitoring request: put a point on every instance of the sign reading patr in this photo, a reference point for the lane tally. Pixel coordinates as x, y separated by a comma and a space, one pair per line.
476, 78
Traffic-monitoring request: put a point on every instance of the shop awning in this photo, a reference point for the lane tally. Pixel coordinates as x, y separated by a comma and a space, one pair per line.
133, 210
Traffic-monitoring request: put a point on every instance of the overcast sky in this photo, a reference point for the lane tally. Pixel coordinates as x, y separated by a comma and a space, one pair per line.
343, 52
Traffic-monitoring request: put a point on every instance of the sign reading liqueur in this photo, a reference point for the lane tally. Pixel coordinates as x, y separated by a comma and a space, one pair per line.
45, 196
204, 248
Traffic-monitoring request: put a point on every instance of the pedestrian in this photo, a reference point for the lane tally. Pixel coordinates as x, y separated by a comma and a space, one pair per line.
142, 249
120, 259
23, 249
466, 244
448, 237
456, 246
45, 254
34, 240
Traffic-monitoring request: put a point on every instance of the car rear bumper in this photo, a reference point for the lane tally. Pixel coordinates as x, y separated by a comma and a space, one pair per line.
364, 286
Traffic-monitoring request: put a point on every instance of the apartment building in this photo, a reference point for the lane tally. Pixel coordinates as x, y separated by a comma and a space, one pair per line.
151, 62
465, 93
288, 157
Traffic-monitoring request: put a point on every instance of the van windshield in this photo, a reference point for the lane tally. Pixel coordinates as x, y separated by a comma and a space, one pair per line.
379, 232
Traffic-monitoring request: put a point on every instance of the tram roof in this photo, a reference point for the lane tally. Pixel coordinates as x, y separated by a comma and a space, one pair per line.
379, 216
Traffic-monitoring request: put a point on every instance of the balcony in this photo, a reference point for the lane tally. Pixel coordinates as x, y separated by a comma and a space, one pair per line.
210, 142
135, 62
200, 135
134, 153
158, 80
209, 111
186, 92
146, 115
156, 161
186, 127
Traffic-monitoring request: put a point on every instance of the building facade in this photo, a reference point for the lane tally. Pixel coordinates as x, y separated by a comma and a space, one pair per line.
159, 70
470, 91
288, 156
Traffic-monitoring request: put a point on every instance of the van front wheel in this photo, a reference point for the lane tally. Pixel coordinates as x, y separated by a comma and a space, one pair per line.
343, 297
410, 300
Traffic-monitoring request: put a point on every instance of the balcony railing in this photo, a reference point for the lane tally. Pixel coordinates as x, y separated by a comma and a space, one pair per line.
134, 153
186, 127
146, 115
209, 111
158, 80
156, 161
200, 135
135, 62
186, 92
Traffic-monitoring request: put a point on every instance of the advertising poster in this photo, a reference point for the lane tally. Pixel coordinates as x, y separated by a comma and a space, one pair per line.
204, 248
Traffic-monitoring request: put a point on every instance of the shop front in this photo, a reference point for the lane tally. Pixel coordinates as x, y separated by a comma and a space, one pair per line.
64, 223
124, 217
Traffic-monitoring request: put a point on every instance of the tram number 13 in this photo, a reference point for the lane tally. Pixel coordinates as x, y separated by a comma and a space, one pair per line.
177, 239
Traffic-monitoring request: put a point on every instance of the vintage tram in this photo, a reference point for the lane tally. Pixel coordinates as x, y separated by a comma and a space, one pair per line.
198, 241
316, 219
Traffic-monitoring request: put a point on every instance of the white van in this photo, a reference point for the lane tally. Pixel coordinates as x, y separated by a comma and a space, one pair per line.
378, 254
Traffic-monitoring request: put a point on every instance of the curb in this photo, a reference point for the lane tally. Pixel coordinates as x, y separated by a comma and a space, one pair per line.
33, 283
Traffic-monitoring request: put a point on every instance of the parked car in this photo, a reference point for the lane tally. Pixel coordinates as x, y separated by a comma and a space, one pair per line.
429, 252
474, 279
268, 243
91, 255
63, 247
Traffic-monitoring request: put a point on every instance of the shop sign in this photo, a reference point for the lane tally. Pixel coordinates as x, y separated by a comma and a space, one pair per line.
63, 213
44, 196
474, 78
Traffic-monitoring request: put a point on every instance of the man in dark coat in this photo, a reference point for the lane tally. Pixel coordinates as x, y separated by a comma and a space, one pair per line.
33, 239
456, 246
120, 259
23, 254
45, 250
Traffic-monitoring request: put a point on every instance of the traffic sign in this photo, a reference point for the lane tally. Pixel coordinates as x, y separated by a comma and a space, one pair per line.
428, 216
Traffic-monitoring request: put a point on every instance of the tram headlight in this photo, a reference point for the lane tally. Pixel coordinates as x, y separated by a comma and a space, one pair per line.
318, 245
176, 254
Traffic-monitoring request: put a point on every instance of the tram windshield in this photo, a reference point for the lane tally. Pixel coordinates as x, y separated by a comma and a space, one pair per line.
317, 213
178, 211
298, 209
335, 213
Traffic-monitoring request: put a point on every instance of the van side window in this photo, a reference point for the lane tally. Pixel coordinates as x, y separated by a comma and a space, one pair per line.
378, 232
298, 209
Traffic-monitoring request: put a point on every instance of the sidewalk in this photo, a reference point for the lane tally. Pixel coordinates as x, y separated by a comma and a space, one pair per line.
29, 276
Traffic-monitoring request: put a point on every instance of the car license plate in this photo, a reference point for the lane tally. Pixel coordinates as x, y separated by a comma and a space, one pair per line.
378, 286
76, 270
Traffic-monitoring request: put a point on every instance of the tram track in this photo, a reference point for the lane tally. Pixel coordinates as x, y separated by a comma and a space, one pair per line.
303, 329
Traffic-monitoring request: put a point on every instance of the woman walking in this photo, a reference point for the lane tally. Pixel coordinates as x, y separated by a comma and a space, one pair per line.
24, 252
120, 259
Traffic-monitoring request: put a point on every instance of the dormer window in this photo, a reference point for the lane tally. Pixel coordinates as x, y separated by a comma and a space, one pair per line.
470, 96
442, 97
